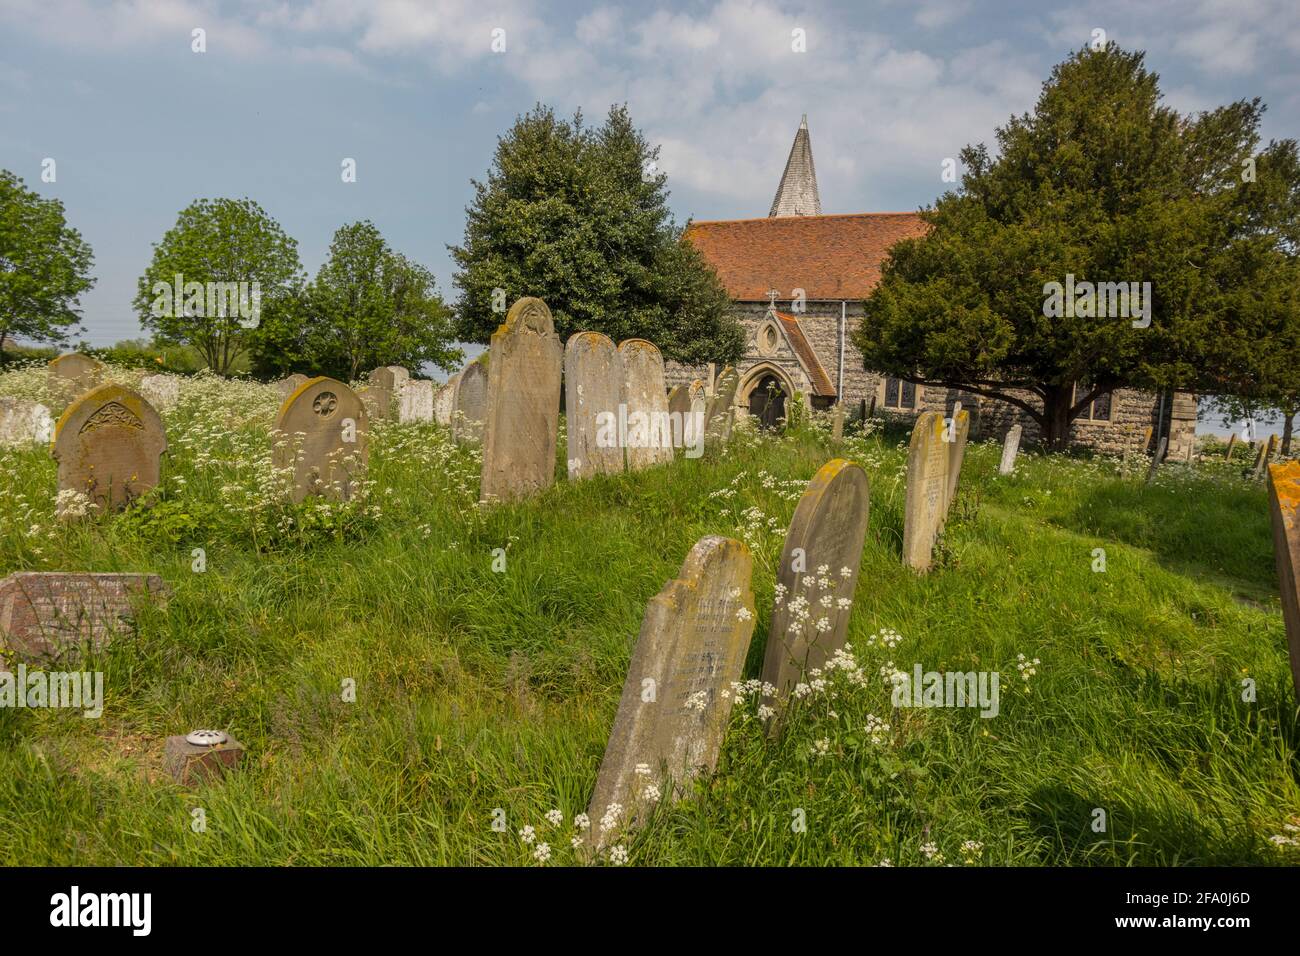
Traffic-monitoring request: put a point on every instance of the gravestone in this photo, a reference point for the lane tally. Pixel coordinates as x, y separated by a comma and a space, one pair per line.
23, 422
72, 374
1146, 438
827, 531
192, 763
109, 445
469, 404
162, 391
289, 385
1232, 443
927, 491
521, 428
1010, 448
647, 405
443, 399
593, 384
1261, 458
956, 433
672, 716
320, 436
837, 422
385, 390
416, 402
719, 415
1284, 502
49, 615
1157, 458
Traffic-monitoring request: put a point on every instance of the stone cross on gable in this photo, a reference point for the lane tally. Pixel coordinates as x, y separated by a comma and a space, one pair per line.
772, 294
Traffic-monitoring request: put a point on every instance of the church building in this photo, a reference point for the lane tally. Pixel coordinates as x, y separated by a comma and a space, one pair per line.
798, 281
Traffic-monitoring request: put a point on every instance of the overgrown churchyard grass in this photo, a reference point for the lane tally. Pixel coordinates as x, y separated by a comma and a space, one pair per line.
478, 689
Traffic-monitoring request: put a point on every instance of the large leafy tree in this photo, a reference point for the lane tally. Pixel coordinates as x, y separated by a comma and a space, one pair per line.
579, 217
217, 243
1104, 183
368, 306
44, 266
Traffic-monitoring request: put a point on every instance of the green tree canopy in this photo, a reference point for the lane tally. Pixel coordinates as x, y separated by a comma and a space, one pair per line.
44, 266
578, 217
1104, 184
214, 274
368, 306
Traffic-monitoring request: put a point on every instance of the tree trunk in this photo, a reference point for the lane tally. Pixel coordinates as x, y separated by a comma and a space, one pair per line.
1056, 417
1287, 417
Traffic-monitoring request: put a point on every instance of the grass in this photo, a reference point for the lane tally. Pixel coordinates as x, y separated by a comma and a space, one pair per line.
484, 696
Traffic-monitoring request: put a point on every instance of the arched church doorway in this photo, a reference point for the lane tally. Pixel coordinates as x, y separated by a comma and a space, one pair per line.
767, 401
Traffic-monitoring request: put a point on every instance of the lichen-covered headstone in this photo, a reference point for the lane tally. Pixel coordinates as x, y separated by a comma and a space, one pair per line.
822, 555
74, 374
927, 490
1284, 505
672, 715
291, 383
956, 431
469, 405
443, 399
23, 422
593, 382
521, 429
1010, 448
1158, 457
162, 391
719, 415
109, 444
320, 437
649, 430
416, 402
49, 615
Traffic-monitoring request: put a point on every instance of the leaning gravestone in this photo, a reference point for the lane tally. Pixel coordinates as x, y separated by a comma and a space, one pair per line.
823, 551
1010, 448
23, 422
1157, 458
1232, 443
1284, 503
443, 399
593, 381
649, 434
320, 435
1261, 457
48, 615
73, 374
719, 416
672, 715
469, 404
109, 445
927, 491
956, 431
416, 402
162, 391
521, 428
289, 385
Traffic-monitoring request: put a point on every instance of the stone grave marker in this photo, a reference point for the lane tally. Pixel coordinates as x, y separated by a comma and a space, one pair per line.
191, 763
1232, 443
23, 422
72, 374
1157, 458
593, 383
719, 415
837, 422
647, 405
1010, 449
162, 391
822, 555
109, 444
521, 429
416, 402
672, 716
927, 491
1284, 503
443, 399
320, 434
469, 404
1146, 438
50, 615
289, 385
687, 404
385, 390
956, 435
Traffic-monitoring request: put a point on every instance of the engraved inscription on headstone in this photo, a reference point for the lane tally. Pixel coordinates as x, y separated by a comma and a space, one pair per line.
48, 615
109, 444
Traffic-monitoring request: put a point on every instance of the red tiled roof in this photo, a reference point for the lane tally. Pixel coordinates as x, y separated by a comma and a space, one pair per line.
821, 382
829, 257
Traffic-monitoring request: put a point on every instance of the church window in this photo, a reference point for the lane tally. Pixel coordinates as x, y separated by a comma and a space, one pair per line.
900, 394
1098, 409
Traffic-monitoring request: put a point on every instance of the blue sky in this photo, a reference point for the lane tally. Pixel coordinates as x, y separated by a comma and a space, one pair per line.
140, 125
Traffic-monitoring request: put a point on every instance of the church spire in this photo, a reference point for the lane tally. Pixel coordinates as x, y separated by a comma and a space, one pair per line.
797, 195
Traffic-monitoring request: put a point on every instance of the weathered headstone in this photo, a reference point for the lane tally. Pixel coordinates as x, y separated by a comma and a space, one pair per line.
416, 402
672, 716
72, 374
956, 431
290, 384
1232, 443
593, 383
321, 434
109, 445
1158, 457
469, 404
927, 491
23, 422
1284, 504
385, 389
719, 415
47, 615
1146, 438
443, 400
837, 422
649, 434
1261, 457
1010, 448
162, 391
521, 428
823, 551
